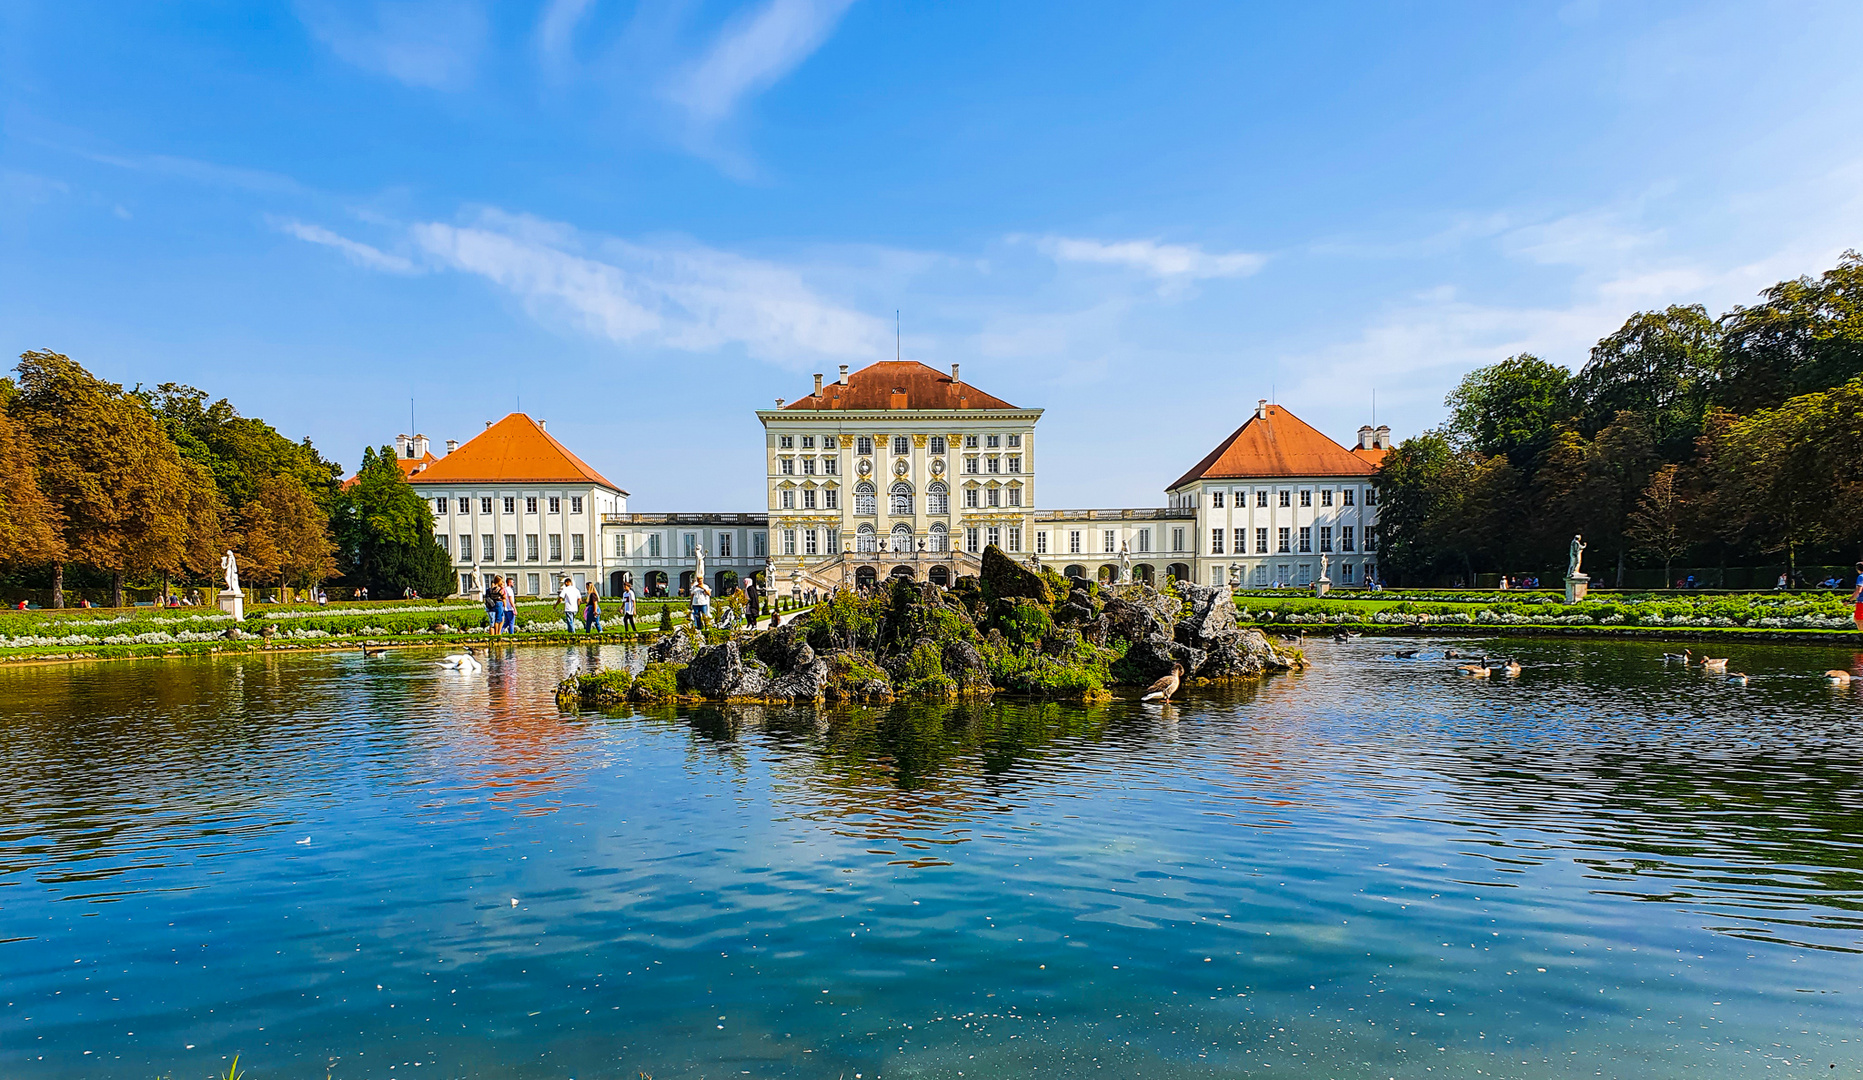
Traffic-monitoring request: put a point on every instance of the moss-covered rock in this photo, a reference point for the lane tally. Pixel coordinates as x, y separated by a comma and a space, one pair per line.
658, 681
853, 676
605, 688
1004, 578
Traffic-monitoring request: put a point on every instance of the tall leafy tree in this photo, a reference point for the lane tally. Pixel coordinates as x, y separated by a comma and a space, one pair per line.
1510, 408
284, 537
1791, 478
384, 533
1662, 525
1661, 365
29, 523
1805, 335
241, 452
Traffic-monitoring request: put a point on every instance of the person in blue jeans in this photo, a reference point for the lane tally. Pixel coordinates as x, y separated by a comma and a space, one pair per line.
592, 610
510, 594
569, 598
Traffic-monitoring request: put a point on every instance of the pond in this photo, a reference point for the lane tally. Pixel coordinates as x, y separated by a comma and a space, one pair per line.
330, 864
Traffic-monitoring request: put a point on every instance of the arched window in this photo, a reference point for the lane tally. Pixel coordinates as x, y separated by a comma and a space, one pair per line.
865, 540
864, 501
938, 540
901, 540
938, 499
900, 503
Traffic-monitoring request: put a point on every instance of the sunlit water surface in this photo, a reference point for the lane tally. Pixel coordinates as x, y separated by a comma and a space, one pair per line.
373, 868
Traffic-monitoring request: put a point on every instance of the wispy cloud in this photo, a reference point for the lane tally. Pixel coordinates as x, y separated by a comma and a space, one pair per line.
427, 43
556, 31
751, 53
1173, 264
355, 251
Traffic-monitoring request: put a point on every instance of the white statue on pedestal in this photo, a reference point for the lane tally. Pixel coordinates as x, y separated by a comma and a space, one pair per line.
230, 566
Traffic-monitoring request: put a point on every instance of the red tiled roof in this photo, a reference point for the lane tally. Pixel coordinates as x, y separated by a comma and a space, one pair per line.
1372, 454
1277, 443
514, 450
899, 384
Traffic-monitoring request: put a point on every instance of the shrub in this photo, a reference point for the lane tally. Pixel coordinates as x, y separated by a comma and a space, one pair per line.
656, 682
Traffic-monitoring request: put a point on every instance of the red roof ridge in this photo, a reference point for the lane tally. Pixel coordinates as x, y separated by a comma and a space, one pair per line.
898, 384
516, 449
1275, 442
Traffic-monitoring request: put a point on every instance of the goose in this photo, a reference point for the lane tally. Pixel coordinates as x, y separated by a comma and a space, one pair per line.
1714, 665
1511, 669
374, 650
1738, 678
1165, 687
1404, 654
1838, 677
1682, 656
1478, 670
465, 661
1451, 654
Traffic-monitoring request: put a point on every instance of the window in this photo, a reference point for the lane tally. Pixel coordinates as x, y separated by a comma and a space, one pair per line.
863, 445
808, 466
532, 585
620, 545
440, 504
1015, 538
829, 442
831, 466
575, 547
1015, 496
1041, 543
757, 542
510, 547
556, 547
811, 545
937, 540
786, 442
1287, 498
865, 540
485, 506
970, 498
1107, 539
993, 441
937, 444
808, 498
1261, 541
1015, 463
993, 535
1306, 498
510, 505
901, 446
789, 541
970, 535
864, 502
1282, 538
1326, 538
1239, 544
1015, 440
899, 501
1345, 535
970, 442
786, 467
1216, 541
530, 547
937, 499
786, 498
1371, 496
834, 542
995, 463
1261, 497
995, 496
575, 504
724, 545
690, 541
1073, 541
1261, 574
901, 540
1216, 500
1177, 539
653, 545
970, 464
831, 499
445, 542
1345, 497
556, 504
465, 548
466, 505
1326, 496
1345, 569
530, 504
1306, 538
1144, 540
808, 442
1371, 540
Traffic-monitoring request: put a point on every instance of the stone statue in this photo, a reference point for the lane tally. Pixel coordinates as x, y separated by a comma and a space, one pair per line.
1125, 562
1326, 573
1235, 575
230, 566
1575, 556
698, 571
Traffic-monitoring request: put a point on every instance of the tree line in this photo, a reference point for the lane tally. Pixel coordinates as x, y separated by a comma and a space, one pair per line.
1685, 439
147, 488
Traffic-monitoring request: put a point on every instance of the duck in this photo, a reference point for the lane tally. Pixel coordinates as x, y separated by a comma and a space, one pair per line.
1511, 668
1165, 687
1838, 677
1477, 670
1451, 654
1404, 654
1683, 656
374, 650
465, 661
1714, 665
1738, 678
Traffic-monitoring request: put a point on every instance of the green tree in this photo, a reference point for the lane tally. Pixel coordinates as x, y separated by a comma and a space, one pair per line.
29, 523
384, 533
1791, 478
241, 452
1806, 335
1661, 524
1510, 408
284, 537
1591, 486
1661, 365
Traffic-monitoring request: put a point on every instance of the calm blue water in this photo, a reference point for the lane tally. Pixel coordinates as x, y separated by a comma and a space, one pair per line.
376, 869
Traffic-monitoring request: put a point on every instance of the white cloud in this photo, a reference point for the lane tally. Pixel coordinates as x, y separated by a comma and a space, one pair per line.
427, 43
1168, 262
752, 53
557, 28
361, 254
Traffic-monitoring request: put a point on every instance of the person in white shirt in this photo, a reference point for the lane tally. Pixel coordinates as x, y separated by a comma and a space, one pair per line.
701, 604
567, 598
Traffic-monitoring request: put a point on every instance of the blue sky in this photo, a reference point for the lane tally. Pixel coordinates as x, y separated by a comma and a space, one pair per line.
647, 220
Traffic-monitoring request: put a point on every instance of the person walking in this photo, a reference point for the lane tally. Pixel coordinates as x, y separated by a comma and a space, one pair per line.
751, 606
1856, 599
627, 609
592, 610
495, 605
510, 594
567, 598
701, 604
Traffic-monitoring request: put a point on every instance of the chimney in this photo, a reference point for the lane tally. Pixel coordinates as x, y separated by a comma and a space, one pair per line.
420, 447
488, 425
843, 374
1365, 437
898, 398
954, 376
1384, 437
818, 384
779, 403
452, 445
543, 425
1261, 408
404, 446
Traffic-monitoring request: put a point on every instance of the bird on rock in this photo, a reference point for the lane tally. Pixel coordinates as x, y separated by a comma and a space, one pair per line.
1165, 687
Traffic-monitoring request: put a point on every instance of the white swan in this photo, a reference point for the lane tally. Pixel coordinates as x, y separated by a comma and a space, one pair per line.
462, 661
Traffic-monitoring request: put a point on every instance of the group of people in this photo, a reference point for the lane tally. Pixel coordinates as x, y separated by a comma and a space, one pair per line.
748, 597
